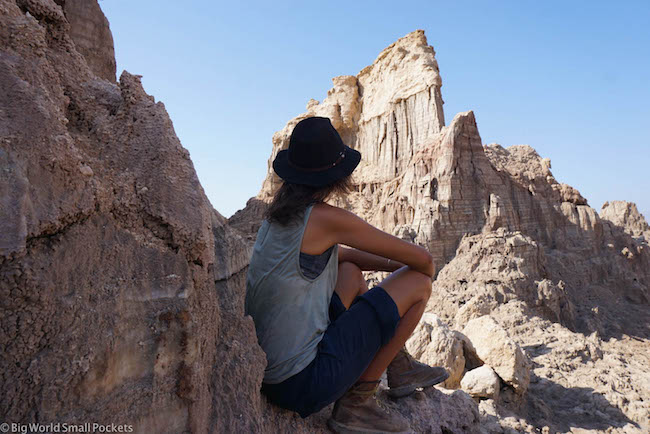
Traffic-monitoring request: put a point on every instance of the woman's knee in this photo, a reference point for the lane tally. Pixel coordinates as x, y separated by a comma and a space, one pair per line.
353, 272
424, 286
407, 287
350, 269
350, 282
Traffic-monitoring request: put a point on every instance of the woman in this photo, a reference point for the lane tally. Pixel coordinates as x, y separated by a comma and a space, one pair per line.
326, 336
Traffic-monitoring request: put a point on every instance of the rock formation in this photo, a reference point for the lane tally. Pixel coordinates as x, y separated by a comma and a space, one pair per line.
120, 306
122, 288
627, 216
376, 110
112, 301
514, 247
91, 35
494, 347
433, 343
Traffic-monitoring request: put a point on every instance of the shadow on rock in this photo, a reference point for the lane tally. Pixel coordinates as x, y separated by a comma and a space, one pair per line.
562, 408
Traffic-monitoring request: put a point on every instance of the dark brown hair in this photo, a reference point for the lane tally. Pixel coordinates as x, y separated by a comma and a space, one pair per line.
291, 200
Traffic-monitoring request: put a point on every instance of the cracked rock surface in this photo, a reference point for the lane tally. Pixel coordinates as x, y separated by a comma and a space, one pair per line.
121, 288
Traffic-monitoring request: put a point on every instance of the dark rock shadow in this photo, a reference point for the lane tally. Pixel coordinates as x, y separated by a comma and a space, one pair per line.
536, 350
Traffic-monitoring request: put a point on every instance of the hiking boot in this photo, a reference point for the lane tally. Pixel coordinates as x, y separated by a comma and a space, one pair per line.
405, 374
359, 411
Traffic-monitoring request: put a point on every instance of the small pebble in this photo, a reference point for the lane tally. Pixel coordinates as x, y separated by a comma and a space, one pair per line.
86, 170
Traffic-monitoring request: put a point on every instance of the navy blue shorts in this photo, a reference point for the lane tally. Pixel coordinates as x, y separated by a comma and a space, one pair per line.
348, 346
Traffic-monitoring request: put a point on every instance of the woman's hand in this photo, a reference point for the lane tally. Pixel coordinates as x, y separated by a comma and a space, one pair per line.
336, 225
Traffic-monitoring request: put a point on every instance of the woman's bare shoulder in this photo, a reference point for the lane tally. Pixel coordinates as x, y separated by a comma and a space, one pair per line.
330, 210
325, 222
339, 223
327, 214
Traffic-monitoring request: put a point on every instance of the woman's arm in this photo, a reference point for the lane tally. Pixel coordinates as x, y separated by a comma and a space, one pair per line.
337, 225
367, 261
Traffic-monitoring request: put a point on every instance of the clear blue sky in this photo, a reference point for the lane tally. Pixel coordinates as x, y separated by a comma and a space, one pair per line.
569, 78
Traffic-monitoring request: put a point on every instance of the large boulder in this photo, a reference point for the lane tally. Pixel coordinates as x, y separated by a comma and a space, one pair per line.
435, 344
496, 349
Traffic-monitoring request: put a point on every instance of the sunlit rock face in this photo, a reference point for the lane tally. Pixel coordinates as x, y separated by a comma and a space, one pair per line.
510, 241
627, 216
434, 184
384, 112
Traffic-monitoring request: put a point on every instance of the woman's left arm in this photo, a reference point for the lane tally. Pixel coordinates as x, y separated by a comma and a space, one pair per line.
367, 261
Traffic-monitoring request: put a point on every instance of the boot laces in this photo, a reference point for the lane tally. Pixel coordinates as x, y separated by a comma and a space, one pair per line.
381, 405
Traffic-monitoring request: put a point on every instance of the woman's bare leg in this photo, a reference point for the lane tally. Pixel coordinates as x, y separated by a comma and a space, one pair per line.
410, 290
350, 283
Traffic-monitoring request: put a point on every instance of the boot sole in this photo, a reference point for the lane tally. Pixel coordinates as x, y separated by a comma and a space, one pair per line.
400, 392
347, 429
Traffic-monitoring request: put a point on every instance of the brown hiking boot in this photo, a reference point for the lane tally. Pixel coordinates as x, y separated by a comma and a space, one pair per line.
405, 374
359, 411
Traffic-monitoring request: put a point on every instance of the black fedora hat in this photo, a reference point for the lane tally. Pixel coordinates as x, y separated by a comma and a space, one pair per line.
316, 155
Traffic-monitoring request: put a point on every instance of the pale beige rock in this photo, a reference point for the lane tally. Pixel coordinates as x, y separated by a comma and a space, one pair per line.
627, 216
495, 348
481, 382
86, 170
440, 411
578, 381
435, 344
400, 86
399, 108
532, 172
232, 254
504, 266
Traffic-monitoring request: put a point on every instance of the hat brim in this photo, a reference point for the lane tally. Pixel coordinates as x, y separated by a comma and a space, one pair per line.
320, 178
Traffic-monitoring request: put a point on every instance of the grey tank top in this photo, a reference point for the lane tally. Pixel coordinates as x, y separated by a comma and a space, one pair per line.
290, 310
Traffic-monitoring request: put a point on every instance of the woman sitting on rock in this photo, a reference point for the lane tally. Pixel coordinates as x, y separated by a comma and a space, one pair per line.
326, 336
